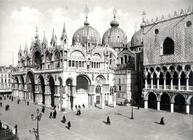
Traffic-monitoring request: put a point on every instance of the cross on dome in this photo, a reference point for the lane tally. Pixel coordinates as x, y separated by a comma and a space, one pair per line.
86, 10
114, 13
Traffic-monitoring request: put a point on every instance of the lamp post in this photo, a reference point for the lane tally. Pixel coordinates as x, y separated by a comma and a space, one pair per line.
132, 109
36, 118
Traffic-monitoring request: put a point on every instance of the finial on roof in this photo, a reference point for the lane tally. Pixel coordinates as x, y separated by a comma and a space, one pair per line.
45, 42
26, 47
36, 36
86, 10
114, 13
175, 14
114, 22
182, 12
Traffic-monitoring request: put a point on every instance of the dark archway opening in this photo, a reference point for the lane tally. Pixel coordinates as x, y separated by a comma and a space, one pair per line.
31, 84
168, 78
42, 88
152, 101
82, 83
70, 92
175, 79
165, 102
38, 59
168, 46
191, 79
52, 90
183, 79
179, 105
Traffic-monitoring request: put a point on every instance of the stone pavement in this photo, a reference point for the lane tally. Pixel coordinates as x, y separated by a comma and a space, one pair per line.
90, 125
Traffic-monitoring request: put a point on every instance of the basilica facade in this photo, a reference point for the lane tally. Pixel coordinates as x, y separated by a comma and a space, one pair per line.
88, 72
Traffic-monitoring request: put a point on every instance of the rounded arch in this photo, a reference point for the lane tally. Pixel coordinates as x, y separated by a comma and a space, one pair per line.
168, 46
52, 89
179, 103
42, 86
152, 100
83, 83
98, 89
165, 101
31, 84
57, 55
100, 80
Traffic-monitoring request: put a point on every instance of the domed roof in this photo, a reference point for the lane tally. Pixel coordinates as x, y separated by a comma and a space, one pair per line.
137, 39
114, 36
86, 34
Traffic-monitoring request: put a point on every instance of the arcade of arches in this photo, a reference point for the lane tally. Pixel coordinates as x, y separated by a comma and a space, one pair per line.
169, 88
49, 90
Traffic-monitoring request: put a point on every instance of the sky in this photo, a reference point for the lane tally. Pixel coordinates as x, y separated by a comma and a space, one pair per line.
19, 19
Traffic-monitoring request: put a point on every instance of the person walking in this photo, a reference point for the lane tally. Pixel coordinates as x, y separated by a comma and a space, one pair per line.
162, 121
108, 120
50, 115
63, 119
68, 124
43, 109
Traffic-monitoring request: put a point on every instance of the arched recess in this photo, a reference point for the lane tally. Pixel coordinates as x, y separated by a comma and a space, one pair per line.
152, 100
161, 79
17, 83
52, 89
191, 79
165, 102
154, 79
179, 103
148, 78
22, 82
37, 59
31, 84
42, 84
168, 46
168, 78
100, 80
175, 78
82, 83
60, 86
70, 92
183, 79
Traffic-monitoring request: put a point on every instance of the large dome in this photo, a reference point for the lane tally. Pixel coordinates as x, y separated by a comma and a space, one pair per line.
137, 39
86, 34
115, 37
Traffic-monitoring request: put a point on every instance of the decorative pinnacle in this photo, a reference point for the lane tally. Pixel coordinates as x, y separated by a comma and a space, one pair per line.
143, 15
36, 32
114, 13
86, 10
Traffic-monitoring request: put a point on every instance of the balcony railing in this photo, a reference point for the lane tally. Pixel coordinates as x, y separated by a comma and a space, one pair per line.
168, 87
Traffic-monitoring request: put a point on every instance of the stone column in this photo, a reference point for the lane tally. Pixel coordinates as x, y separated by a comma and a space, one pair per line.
146, 83
114, 99
187, 83
102, 101
157, 83
171, 107
187, 109
158, 105
179, 87
151, 83
171, 84
145, 104
164, 82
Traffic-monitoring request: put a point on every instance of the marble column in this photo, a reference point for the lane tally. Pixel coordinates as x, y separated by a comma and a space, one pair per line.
187, 109
164, 82
151, 83
157, 83
158, 105
171, 107
171, 84
146, 83
179, 87
102, 101
145, 104
114, 99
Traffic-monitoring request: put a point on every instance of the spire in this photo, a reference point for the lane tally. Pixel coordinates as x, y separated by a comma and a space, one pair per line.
20, 50
26, 47
45, 41
64, 35
53, 39
143, 18
36, 36
86, 10
114, 22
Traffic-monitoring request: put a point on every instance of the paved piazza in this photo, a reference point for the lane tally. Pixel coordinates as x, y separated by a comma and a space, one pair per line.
90, 125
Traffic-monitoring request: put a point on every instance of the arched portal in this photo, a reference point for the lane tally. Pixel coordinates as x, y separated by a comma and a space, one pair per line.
42, 84
152, 100
82, 83
165, 102
52, 89
37, 59
179, 105
30, 85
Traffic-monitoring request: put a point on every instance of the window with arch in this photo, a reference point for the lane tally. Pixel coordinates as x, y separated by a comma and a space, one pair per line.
168, 46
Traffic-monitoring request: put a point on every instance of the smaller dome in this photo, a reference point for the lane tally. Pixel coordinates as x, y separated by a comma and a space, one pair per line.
137, 39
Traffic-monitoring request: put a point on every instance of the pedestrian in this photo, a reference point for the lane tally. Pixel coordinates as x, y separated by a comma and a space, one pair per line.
68, 124
18, 101
15, 129
27, 103
54, 113
162, 121
108, 120
0, 104
50, 115
11, 98
43, 109
63, 119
